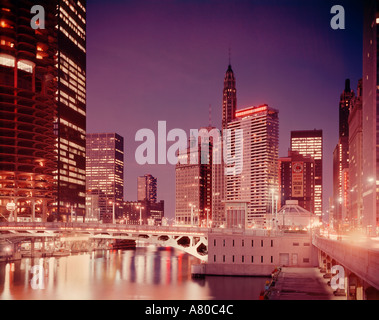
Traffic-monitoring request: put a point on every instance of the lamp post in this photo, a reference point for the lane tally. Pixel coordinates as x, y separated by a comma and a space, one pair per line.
140, 214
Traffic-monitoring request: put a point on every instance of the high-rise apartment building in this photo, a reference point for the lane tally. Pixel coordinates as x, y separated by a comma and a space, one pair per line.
341, 158
28, 108
147, 188
193, 175
105, 172
297, 180
370, 116
356, 160
309, 143
256, 179
46, 66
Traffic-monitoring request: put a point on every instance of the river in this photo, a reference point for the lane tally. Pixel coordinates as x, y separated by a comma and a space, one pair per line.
146, 273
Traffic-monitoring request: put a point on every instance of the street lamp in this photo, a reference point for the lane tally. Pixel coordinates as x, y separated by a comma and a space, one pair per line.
113, 203
192, 206
140, 214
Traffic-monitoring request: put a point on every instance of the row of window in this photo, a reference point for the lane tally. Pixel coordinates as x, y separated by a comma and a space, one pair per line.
242, 243
242, 259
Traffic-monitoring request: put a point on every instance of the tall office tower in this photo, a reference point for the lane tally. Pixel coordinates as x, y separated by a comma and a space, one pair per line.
193, 176
356, 159
297, 180
229, 98
309, 142
70, 123
147, 188
341, 158
257, 176
105, 172
370, 107
27, 110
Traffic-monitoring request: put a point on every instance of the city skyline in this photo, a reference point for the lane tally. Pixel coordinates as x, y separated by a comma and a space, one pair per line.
183, 69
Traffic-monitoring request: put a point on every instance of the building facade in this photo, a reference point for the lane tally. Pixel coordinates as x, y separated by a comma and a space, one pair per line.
105, 172
255, 155
297, 180
28, 109
310, 143
70, 124
341, 158
147, 188
356, 159
193, 176
370, 107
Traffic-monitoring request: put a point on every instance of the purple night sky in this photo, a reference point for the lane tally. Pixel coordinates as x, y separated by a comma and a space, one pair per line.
165, 60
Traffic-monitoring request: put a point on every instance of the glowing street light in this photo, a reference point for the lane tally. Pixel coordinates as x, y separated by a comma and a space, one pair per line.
140, 214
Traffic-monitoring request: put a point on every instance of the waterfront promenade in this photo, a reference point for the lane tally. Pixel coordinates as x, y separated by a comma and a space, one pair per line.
302, 284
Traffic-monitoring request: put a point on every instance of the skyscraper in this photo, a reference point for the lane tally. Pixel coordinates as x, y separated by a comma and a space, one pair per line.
341, 157
258, 180
28, 108
297, 180
193, 176
70, 125
105, 172
147, 188
309, 142
229, 98
370, 107
355, 159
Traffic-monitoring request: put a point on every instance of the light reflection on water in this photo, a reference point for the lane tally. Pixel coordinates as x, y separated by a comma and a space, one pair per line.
144, 273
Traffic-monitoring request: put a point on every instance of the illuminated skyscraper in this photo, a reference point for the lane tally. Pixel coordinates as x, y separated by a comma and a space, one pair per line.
229, 98
370, 107
258, 179
28, 156
147, 188
341, 157
309, 142
70, 123
193, 176
105, 172
297, 180
356, 159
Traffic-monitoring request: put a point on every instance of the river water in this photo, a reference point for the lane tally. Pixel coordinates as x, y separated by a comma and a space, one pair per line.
146, 273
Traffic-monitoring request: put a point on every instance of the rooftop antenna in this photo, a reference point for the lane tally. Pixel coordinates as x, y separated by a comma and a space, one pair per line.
210, 115
230, 55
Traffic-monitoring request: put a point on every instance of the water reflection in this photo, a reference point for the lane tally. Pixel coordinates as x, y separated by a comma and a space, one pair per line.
144, 273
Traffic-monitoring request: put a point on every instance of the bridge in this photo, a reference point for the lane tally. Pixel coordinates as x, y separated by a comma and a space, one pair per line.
192, 240
359, 257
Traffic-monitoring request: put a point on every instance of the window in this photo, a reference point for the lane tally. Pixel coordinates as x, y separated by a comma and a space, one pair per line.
261, 243
214, 258
223, 258
233, 258
272, 259
295, 244
223, 243
252, 243
252, 259
306, 244
272, 243
214, 242
306, 260
243, 243
261, 259
233, 243
243, 259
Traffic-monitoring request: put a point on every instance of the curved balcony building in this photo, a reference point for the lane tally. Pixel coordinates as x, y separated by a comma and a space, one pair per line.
28, 107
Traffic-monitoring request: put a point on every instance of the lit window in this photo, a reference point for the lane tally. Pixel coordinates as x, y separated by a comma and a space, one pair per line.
7, 60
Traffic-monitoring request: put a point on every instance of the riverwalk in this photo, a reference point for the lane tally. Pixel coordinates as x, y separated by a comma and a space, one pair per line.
302, 284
